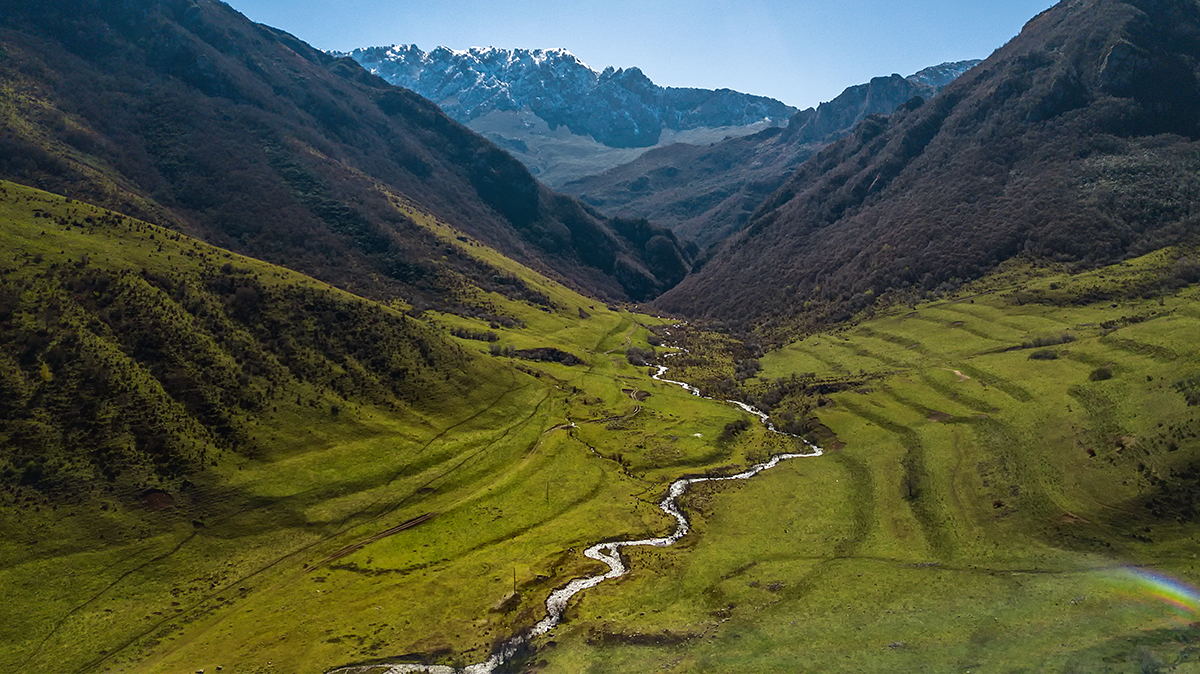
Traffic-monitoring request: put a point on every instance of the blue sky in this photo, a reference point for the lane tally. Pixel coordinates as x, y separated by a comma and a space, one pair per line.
799, 51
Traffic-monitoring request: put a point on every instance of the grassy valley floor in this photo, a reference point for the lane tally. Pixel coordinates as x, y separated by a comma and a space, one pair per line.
1016, 464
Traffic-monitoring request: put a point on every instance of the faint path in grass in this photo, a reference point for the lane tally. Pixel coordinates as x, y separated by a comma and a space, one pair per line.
355, 547
1009, 388
117, 581
228, 587
578, 502
1161, 354
959, 457
973, 569
864, 502
956, 394
905, 343
628, 337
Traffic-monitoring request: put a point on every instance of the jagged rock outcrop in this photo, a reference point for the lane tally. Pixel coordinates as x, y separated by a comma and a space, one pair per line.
880, 96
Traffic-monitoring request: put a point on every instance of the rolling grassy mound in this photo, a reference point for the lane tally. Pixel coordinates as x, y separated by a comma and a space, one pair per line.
160, 353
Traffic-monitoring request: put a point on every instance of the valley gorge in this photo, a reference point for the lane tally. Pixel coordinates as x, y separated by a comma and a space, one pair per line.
303, 371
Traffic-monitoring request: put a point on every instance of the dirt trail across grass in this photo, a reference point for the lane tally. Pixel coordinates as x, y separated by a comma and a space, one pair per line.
354, 547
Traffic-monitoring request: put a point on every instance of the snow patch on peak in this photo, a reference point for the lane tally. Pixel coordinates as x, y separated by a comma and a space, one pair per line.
943, 73
405, 49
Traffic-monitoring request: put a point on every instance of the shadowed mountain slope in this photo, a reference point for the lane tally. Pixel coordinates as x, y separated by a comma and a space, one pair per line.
188, 114
709, 191
1076, 141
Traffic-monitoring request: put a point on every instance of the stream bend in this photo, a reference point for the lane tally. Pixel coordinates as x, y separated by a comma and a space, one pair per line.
608, 553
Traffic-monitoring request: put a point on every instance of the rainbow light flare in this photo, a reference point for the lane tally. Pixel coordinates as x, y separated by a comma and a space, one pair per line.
1144, 584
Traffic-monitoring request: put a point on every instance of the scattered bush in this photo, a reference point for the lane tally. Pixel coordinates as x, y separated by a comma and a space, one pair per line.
1044, 354
747, 368
639, 357
791, 423
1101, 374
1185, 271
734, 429
477, 335
1053, 340
1190, 389
544, 354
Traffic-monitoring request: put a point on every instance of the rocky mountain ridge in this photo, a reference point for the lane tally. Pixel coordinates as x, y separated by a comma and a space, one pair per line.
620, 108
880, 96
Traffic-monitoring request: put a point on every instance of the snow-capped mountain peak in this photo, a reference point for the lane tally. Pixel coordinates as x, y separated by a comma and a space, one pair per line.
617, 107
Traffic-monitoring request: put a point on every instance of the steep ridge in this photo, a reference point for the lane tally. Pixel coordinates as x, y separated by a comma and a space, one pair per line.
620, 108
188, 114
1076, 141
132, 355
708, 192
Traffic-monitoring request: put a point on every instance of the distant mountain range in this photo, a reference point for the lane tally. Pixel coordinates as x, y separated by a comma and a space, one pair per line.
708, 191
587, 132
561, 118
620, 108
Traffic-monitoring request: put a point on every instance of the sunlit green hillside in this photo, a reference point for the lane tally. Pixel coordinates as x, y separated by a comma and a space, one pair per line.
210, 461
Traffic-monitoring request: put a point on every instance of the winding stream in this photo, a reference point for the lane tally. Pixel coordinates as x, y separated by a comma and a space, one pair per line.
609, 553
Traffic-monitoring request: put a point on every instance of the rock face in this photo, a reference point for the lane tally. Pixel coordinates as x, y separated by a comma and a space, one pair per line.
707, 192
1076, 142
619, 108
880, 96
